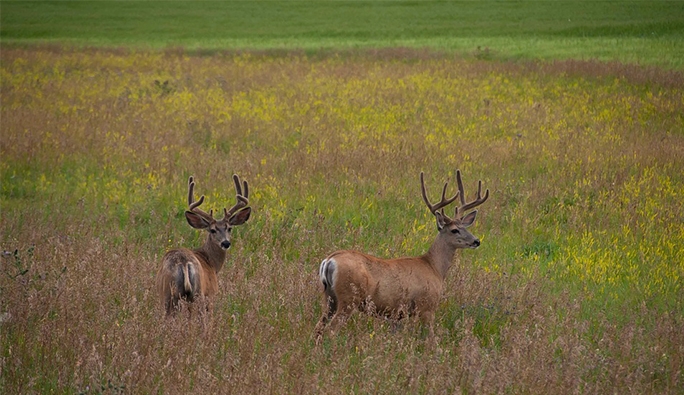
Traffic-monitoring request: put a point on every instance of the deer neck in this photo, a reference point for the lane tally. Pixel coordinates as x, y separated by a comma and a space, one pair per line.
213, 254
441, 255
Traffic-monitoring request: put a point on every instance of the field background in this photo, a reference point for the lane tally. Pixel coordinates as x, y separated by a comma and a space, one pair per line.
639, 31
330, 114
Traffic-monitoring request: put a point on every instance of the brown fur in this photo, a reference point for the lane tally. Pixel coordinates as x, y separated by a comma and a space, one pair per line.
192, 274
177, 267
397, 288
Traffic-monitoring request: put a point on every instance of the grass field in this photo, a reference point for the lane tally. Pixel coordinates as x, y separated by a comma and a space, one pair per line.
578, 286
646, 32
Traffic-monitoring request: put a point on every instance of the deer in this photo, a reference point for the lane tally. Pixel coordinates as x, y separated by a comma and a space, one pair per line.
402, 287
190, 275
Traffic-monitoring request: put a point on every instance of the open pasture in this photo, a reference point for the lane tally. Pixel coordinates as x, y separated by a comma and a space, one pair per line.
577, 287
634, 31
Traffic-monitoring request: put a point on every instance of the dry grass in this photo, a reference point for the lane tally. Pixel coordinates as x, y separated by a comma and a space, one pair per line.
577, 287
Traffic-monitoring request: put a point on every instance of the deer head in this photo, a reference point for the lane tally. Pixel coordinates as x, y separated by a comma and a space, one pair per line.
454, 229
219, 230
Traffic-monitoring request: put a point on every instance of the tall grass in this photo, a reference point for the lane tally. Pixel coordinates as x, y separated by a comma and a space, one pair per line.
577, 287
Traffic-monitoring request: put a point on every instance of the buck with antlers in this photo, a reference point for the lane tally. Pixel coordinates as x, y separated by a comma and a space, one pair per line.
396, 288
192, 274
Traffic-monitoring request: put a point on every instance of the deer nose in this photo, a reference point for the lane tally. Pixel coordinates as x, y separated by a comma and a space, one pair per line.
476, 243
226, 244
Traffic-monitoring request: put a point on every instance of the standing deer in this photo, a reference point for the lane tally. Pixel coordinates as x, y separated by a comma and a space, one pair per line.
395, 288
192, 274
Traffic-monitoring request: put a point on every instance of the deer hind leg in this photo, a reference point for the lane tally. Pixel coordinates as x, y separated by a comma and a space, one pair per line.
171, 299
337, 314
335, 321
331, 311
170, 305
347, 304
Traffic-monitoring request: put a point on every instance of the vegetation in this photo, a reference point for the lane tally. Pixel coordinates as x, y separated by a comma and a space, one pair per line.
330, 110
577, 287
634, 31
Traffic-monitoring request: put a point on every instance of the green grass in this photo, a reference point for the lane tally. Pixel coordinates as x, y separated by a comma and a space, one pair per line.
330, 110
644, 32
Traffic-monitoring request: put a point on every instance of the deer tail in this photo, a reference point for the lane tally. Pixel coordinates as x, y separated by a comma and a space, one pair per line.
187, 286
326, 272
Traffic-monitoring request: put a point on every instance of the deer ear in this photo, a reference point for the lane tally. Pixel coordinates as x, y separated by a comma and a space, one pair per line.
442, 220
469, 219
240, 217
196, 221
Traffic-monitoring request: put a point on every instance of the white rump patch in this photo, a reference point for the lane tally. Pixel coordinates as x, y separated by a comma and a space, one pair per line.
326, 272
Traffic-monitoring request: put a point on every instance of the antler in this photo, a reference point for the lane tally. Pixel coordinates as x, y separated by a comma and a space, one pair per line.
444, 202
192, 204
242, 200
460, 210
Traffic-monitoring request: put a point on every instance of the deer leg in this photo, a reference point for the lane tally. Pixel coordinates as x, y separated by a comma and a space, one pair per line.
333, 319
172, 304
344, 309
189, 305
339, 319
168, 305
331, 306
427, 318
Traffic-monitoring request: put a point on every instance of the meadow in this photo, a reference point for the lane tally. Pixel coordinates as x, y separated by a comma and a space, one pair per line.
576, 288
570, 112
631, 31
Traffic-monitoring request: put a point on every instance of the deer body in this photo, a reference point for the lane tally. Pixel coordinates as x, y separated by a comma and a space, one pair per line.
187, 274
192, 274
396, 288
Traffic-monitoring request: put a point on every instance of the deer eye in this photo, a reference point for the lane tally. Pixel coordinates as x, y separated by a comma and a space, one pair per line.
212, 230
455, 231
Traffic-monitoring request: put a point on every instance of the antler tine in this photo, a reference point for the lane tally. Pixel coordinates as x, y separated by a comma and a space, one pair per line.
236, 181
478, 200
460, 187
191, 187
192, 204
245, 186
442, 203
242, 200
